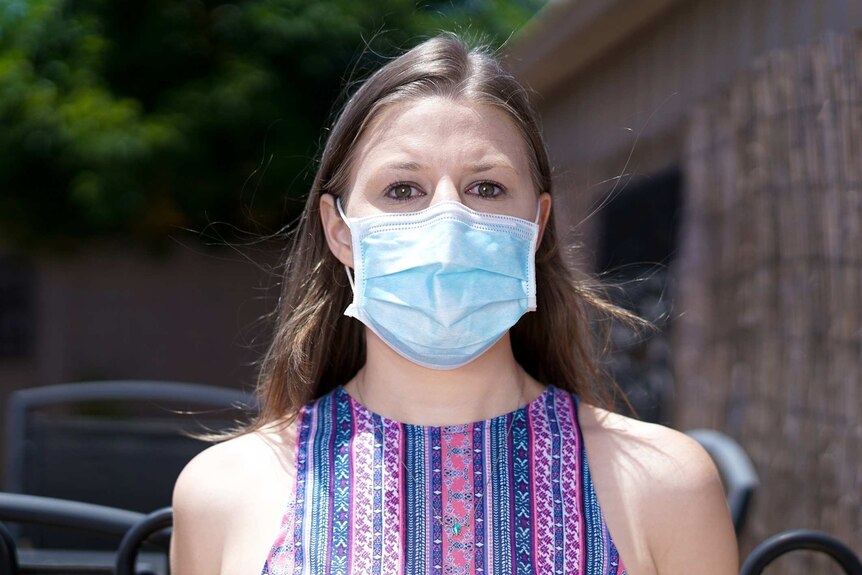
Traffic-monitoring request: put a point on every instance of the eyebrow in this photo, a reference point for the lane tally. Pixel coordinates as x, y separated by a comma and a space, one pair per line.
487, 166
408, 166
474, 168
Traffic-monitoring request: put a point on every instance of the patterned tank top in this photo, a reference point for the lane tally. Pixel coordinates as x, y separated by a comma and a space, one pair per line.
511, 495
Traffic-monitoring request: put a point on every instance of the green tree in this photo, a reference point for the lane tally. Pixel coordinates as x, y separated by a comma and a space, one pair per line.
135, 118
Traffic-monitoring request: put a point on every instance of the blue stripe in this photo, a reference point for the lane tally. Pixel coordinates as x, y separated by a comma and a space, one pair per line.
613, 555
501, 505
416, 498
341, 498
523, 496
593, 536
301, 474
377, 520
436, 498
479, 497
321, 448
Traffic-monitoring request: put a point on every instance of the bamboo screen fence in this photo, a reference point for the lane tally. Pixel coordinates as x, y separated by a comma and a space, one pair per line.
768, 344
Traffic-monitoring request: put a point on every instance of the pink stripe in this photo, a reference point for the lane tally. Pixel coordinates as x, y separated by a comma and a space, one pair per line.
282, 561
444, 497
457, 460
543, 495
391, 561
362, 528
289, 551
571, 488
352, 505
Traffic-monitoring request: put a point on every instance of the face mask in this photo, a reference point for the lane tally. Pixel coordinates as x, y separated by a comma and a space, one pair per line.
442, 285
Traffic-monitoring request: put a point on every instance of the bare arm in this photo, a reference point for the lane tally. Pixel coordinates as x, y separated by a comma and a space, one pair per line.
199, 528
694, 531
661, 495
229, 502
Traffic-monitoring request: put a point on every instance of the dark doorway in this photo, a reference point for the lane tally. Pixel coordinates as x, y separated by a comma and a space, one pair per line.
638, 232
17, 321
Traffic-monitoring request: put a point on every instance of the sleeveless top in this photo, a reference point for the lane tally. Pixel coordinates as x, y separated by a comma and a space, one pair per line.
511, 495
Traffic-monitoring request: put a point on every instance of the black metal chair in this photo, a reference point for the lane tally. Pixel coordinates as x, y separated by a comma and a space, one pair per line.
797, 540
736, 470
135, 529
119, 444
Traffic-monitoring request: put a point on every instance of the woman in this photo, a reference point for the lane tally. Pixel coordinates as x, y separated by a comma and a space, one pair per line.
431, 399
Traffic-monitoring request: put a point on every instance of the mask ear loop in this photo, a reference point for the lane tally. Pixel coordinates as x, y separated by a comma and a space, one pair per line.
538, 212
347, 223
533, 248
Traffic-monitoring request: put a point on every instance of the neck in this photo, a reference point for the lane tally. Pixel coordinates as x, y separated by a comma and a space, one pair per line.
398, 389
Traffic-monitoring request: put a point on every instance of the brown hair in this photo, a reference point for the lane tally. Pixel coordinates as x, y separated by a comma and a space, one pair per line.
316, 348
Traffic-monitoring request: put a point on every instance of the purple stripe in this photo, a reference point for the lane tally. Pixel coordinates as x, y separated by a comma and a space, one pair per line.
391, 491
435, 495
574, 553
363, 486
351, 458
542, 495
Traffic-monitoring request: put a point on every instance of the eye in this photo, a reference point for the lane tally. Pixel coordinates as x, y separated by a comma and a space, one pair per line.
488, 190
403, 191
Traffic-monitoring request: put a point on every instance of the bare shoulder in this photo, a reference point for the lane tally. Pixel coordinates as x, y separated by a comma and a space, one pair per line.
224, 469
668, 485
670, 456
215, 494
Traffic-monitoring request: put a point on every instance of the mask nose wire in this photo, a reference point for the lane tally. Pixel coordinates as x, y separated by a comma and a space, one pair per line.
347, 222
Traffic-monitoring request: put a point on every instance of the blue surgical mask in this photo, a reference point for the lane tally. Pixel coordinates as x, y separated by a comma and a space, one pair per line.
442, 285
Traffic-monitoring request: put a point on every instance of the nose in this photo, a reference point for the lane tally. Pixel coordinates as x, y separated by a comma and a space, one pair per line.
445, 191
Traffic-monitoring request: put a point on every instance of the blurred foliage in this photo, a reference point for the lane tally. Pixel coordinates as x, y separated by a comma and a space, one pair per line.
136, 118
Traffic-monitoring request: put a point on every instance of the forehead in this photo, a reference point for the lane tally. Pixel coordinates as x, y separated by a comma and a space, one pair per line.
443, 130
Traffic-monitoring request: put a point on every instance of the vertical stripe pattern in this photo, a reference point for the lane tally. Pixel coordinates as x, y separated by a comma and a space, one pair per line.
511, 495
416, 529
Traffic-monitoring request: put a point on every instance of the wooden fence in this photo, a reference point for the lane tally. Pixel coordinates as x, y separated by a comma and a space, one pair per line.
768, 343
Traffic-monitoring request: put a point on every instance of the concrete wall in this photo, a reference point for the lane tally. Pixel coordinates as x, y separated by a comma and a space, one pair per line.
601, 100
194, 314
